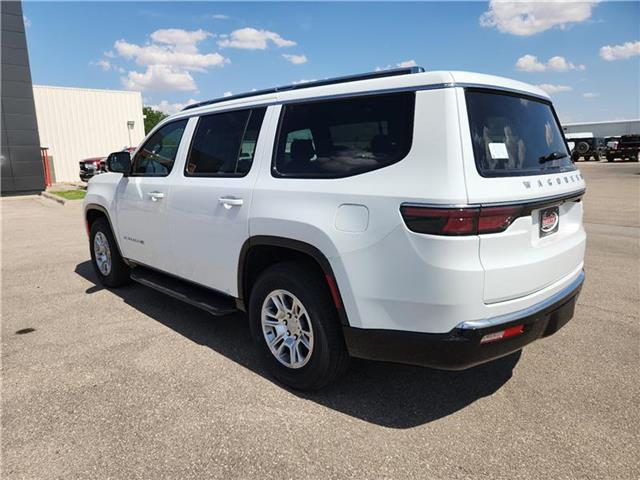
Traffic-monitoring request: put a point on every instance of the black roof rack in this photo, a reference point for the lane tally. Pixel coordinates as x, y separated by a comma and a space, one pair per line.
329, 81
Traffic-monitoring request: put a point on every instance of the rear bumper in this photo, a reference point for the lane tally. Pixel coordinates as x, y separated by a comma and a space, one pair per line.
461, 348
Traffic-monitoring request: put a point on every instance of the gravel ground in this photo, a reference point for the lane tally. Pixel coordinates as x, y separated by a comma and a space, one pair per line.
132, 384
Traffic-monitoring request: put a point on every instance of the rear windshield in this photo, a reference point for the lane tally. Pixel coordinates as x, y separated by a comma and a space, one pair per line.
630, 139
514, 135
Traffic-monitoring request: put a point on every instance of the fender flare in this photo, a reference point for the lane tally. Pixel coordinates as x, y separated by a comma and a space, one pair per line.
100, 208
303, 247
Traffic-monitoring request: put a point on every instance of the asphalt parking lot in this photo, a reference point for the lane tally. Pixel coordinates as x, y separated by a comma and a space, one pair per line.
133, 384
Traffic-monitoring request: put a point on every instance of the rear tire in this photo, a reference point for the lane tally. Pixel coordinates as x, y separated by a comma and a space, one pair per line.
109, 266
308, 313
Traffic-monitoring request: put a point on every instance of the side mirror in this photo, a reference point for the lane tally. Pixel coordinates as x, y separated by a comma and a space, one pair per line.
119, 162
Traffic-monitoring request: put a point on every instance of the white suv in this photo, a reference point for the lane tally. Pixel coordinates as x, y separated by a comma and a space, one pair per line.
426, 218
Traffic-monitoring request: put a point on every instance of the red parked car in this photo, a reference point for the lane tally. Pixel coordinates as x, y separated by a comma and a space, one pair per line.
96, 165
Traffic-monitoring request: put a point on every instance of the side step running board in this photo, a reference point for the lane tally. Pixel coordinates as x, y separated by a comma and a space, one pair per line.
209, 300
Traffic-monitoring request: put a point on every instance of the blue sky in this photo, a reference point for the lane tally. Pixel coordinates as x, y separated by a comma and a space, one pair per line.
587, 55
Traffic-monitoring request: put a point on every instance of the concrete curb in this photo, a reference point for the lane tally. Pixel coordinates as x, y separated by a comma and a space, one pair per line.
53, 197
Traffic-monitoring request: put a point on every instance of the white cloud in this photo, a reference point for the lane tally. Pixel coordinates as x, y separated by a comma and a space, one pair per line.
105, 65
551, 89
590, 95
175, 55
171, 108
529, 18
227, 94
219, 16
407, 63
159, 78
303, 80
27, 22
169, 58
403, 64
178, 36
620, 52
295, 59
109, 54
560, 64
530, 63
253, 39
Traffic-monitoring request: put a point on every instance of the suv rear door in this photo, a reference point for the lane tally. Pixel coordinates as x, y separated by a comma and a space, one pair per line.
211, 197
516, 157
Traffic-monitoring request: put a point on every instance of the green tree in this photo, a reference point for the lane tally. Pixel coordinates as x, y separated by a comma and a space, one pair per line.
152, 118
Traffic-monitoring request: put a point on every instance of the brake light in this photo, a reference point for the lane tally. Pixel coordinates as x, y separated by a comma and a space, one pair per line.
459, 221
502, 334
497, 219
441, 221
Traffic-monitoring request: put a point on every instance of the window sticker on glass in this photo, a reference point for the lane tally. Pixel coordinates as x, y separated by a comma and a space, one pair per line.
498, 151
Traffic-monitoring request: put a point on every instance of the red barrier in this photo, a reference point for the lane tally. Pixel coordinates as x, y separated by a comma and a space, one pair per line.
44, 152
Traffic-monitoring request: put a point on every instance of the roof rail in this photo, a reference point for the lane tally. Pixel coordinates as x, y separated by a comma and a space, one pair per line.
299, 86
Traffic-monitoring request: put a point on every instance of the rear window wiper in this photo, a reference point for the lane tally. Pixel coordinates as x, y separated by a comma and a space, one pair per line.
552, 156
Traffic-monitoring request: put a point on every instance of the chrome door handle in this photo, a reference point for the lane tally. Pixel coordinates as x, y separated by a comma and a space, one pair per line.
155, 196
229, 202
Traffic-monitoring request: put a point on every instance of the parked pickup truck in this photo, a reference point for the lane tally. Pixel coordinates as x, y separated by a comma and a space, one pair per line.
433, 219
627, 147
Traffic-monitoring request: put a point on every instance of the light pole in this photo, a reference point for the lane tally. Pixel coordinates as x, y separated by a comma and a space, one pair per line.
130, 125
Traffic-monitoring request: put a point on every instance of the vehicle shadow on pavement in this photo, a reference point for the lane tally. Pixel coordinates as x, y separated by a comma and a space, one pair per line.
389, 395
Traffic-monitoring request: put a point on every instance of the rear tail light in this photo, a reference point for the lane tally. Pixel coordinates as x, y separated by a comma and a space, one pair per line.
502, 334
497, 219
441, 221
459, 221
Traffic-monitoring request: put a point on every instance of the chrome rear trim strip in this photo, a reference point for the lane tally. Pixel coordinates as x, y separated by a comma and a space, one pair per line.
527, 312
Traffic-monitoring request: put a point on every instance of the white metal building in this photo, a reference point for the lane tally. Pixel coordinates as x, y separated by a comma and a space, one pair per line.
612, 128
78, 123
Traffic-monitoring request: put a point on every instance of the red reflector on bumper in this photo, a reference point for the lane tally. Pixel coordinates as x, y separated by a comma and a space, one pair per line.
502, 334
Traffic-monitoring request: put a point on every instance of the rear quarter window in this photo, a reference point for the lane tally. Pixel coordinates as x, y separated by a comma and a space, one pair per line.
340, 138
515, 135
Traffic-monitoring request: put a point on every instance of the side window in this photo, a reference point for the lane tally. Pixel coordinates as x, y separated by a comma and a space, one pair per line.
224, 143
250, 140
156, 157
339, 138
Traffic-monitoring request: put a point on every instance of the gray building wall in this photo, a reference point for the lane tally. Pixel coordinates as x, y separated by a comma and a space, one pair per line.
605, 129
21, 168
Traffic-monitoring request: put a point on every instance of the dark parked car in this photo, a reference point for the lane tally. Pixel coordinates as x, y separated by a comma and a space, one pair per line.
90, 167
96, 165
585, 147
628, 147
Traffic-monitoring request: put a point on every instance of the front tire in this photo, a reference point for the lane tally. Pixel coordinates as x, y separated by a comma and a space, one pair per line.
109, 266
296, 328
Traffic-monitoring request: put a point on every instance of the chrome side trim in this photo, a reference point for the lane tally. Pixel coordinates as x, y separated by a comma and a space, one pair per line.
571, 196
365, 93
215, 108
203, 110
575, 196
527, 312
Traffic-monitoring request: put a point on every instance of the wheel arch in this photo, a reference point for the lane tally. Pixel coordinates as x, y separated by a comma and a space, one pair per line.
297, 250
92, 211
